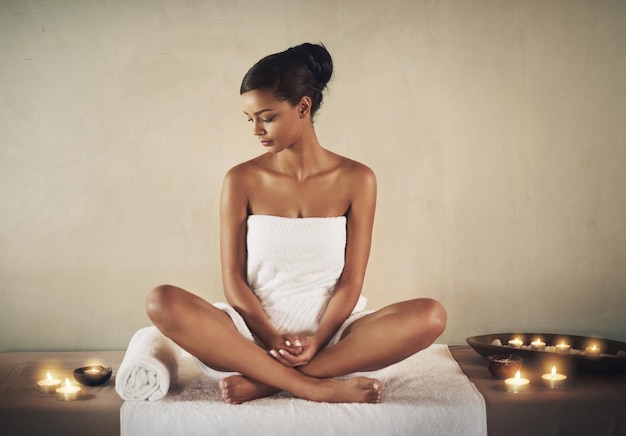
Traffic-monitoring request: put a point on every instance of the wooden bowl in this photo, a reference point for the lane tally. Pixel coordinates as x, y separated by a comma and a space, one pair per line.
504, 365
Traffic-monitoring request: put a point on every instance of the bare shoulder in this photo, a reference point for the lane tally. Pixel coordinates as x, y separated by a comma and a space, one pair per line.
238, 183
243, 173
359, 181
357, 173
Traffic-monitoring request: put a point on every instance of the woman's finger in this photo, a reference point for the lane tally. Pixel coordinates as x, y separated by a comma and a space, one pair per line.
283, 357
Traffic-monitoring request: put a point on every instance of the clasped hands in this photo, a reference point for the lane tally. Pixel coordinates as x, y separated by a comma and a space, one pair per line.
292, 351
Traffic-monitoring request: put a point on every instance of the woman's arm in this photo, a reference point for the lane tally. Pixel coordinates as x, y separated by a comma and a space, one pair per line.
360, 221
233, 230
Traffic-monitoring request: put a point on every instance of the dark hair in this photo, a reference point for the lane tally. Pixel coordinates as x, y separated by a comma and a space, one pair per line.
299, 71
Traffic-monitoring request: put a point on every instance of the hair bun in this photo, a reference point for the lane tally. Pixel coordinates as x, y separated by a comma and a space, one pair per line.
317, 59
303, 70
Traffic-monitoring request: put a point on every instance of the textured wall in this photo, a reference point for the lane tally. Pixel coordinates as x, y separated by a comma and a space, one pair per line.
497, 130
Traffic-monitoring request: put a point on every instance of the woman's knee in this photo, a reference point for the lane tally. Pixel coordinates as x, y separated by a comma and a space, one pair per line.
160, 303
430, 318
436, 316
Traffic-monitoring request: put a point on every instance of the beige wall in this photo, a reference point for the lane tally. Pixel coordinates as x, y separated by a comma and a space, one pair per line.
497, 130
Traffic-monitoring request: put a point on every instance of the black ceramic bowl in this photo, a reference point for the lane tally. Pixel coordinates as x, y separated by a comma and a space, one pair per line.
92, 375
504, 365
612, 359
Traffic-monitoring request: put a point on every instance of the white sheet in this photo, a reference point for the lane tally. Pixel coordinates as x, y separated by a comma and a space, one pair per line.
426, 394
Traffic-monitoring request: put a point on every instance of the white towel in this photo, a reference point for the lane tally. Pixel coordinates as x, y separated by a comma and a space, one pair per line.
149, 366
426, 394
293, 267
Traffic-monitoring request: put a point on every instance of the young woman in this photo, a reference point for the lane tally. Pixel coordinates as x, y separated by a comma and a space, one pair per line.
296, 229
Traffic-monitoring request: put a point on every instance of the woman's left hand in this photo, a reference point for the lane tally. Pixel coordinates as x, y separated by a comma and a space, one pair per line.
309, 347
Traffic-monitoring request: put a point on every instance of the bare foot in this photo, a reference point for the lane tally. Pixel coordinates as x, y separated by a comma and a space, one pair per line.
238, 389
352, 390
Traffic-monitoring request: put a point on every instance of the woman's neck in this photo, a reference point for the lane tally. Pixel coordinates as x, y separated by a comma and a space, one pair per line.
303, 159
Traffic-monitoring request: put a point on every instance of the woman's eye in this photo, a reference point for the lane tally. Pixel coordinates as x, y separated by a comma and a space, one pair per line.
265, 120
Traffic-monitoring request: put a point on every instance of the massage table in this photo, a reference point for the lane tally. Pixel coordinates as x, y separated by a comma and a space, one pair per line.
590, 404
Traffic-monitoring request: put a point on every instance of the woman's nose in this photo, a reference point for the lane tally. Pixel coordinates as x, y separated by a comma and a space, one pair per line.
257, 129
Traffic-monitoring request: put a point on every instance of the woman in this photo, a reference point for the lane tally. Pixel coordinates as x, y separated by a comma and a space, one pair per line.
296, 229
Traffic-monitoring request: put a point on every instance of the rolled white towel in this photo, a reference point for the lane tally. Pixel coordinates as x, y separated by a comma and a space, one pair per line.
149, 367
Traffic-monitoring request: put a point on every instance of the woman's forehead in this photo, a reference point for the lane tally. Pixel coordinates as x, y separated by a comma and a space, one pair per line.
260, 100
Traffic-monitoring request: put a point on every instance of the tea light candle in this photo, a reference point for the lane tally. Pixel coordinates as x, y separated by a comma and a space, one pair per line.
93, 371
592, 351
516, 384
92, 375
554, 380
48, 385
516, 343
563, 348
68, 392
538, 345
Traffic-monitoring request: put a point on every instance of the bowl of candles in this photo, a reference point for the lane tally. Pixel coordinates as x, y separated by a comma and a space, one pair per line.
544, 350
504, 365
92, 375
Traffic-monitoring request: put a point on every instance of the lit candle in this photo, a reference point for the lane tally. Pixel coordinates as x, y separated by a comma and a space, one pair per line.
68, 392
48, 385
516, 343
538, 345
592, 351
563, 348
92, 375
516, 384
554, 380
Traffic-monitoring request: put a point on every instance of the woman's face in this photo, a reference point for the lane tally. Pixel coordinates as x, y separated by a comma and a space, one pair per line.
277, 124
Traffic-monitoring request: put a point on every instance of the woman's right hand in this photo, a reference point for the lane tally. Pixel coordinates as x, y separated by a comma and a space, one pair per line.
298, 353
284, 345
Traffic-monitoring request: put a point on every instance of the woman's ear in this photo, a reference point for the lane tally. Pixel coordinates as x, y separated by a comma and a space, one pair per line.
304, 106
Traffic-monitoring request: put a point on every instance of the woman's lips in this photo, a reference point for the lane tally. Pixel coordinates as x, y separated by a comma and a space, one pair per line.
266, 143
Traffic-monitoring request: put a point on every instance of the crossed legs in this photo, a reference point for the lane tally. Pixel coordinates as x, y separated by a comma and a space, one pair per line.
382, 338
373, 342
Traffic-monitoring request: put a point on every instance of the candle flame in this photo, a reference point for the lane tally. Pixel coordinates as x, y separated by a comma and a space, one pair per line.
554, 370
48, 376
517, 375
67, 383
594, 347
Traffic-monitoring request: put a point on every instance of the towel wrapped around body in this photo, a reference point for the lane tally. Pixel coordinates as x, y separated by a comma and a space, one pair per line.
149, 366
293, 267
